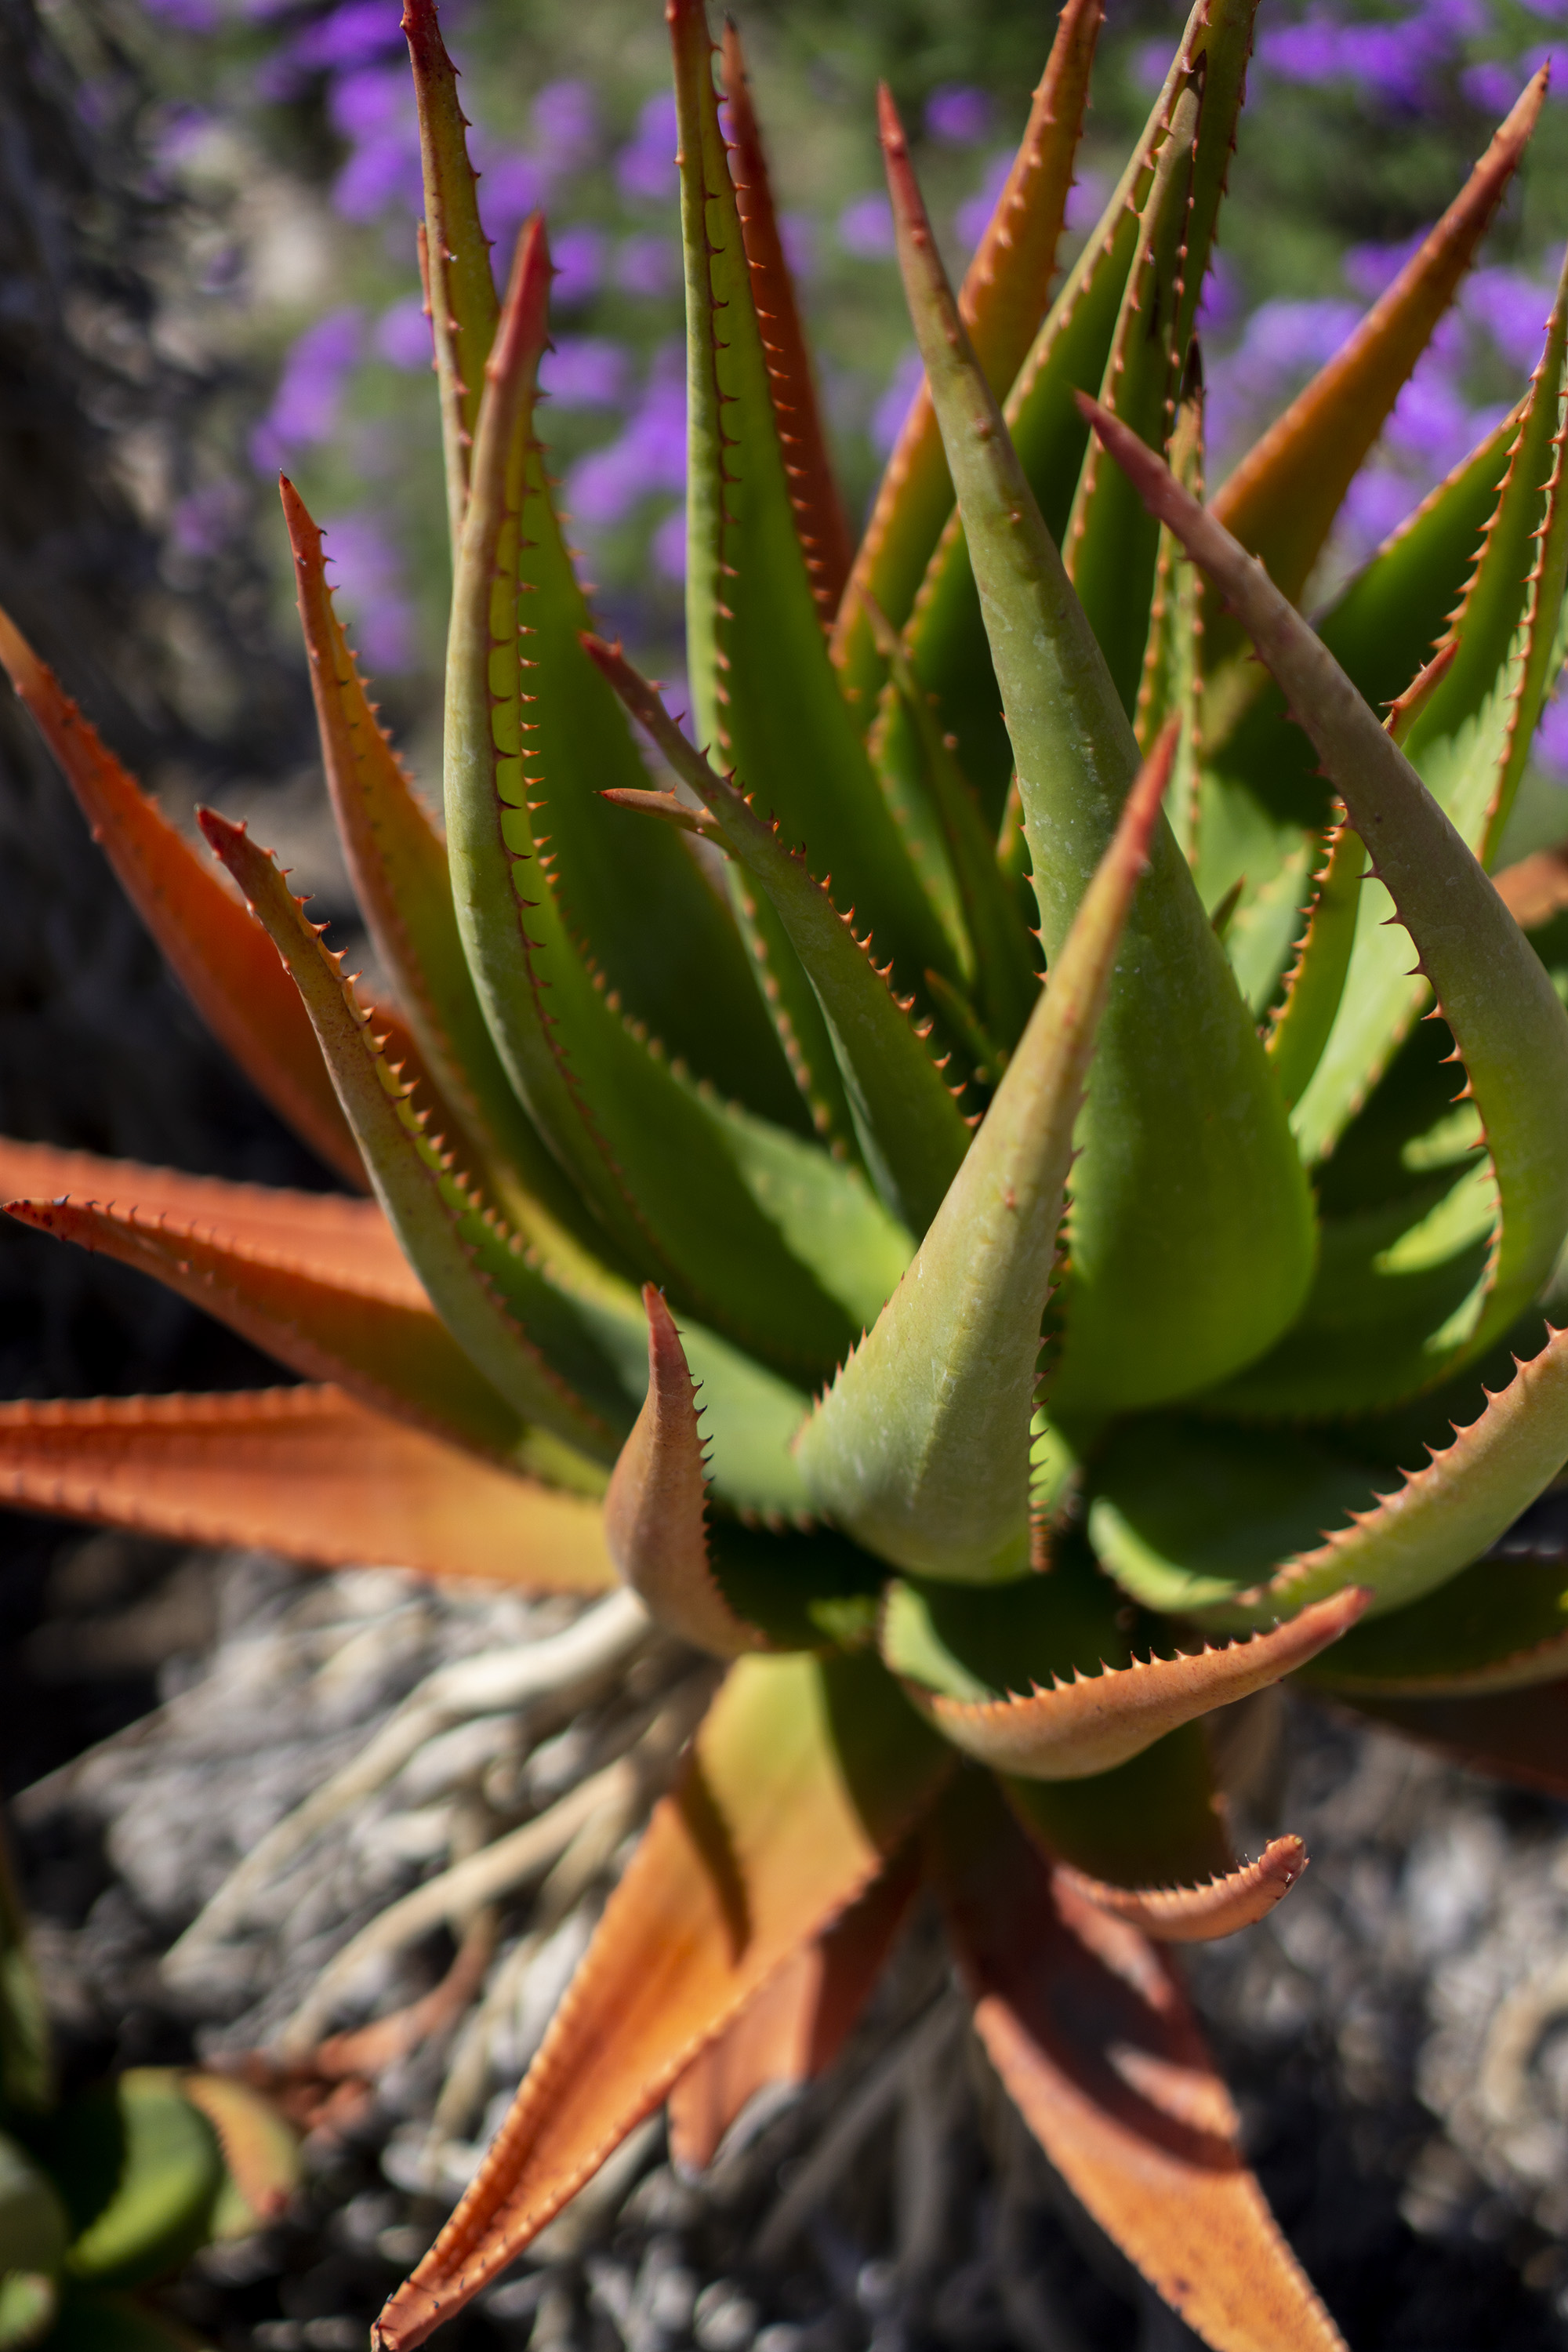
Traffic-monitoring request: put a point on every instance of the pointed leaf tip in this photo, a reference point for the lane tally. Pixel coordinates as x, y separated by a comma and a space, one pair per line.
1097, 1721
656, 1509
1198, 1915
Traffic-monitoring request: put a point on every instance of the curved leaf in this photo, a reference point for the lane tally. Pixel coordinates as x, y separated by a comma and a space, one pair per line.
1074, 1731
912, 1134
166, 2170
306, 1472
454, 251
1001, 301
1315, 985
821, 523
1500, 1625
1198, 1915
794, 2028
1506, 1022
765, 689
921, 1447
397, 862
671, 1171
1191, 1234
806, 1780
1281, 500
656, 1509
391, 1352
1096, 2047
1170, 1549
946, 635
1518, 1736
221, 960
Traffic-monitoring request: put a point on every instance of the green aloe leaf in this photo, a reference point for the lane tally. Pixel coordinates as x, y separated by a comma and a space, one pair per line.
1500, 1625
1076, 1695
1281, 500
920, 1448
454, 252
26, 2056
426, 1204
765, 689
1508, 1024
397, 862
1191, 1235
912, 1134
1006, 982
1173, 677
1470, 743
692, 1193
655, 1510
948, 645
150, 2169
34, 2230
29, 2300
1233, 1527
1315, 985
1002, 300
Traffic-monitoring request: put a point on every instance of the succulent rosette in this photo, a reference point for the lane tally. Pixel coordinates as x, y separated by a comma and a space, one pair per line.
1015, 1199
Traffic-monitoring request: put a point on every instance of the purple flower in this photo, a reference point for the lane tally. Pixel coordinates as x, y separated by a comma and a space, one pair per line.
353, 35
1511, 310
403, 334
958, 114
797, 235
1086, 199
1151, 63
578, 255
304, 408
188, 16
668, 546
566, 124
1375, 504
649, 456
866, 229
584, 371
1219, 305
646, 265
1551, 742
1371, 270
204, 522
888, 416
973, 217
510, 188
1491, 87
374, 109
1431, 424
646, 166
1533, 61
1392, 62
371, 587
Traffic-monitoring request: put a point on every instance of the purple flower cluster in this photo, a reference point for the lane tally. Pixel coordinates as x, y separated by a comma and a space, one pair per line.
372, 590
1397, 62
304, 410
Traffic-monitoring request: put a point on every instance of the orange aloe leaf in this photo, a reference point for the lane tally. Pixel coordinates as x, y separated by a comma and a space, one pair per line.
820, 520
807, 1776
794, 2028
224, 963
397, 862
327, 1232
1095, 2045
1198, 1915
392, 1352
1516, 1735
1002, 302
1092, 1724
454, 251
1282, 499
307, 1471
655, 1510
1536, 888
261, 2151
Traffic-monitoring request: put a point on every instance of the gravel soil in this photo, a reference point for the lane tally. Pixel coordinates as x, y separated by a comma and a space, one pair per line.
1396, 2033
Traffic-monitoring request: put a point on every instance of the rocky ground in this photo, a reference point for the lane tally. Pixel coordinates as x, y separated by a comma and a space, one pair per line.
474, 1767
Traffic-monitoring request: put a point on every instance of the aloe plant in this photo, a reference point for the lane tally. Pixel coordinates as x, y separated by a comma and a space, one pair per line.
1065, 1095
106, 2192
